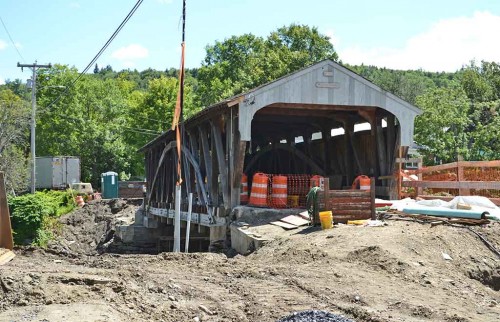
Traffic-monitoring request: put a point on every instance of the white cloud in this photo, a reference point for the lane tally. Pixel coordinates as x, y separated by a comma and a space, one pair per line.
3, 44
334, 40
445, 46
130, 52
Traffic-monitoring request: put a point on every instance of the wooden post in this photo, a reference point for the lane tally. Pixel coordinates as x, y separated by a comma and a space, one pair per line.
207, 160
221, 160
461, 176
188, 224
419, 175
400, 156
372, 198
5, 226
177, 220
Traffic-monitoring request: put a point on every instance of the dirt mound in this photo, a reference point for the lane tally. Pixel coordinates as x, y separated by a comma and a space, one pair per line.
377, 258
90, 229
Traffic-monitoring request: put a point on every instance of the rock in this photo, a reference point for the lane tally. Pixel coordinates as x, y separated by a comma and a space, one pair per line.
174, 306
196, 319
27, 279
22, 302
205, 309
171, 298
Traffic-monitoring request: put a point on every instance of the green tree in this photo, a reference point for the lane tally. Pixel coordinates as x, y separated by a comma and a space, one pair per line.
14, 125
87, 122
442, 128
151, 113
241, 63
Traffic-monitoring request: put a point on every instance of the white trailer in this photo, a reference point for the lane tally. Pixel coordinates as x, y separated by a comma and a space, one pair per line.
57, 172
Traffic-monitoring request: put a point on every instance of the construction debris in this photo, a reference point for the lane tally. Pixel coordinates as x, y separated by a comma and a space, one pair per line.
314, 316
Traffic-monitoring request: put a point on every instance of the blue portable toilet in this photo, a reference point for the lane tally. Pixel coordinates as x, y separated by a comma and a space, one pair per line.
109, 184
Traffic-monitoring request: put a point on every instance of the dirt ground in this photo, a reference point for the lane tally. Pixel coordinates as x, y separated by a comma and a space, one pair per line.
391, 273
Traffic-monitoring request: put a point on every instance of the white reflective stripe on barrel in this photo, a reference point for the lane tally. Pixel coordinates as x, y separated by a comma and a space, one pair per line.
278, 195
282, 186
258, 195
260, 185
364, 187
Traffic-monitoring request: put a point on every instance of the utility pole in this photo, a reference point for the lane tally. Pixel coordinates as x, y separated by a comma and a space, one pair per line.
33, 67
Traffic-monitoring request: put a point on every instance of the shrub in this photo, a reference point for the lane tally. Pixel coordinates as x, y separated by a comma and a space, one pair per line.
34, 216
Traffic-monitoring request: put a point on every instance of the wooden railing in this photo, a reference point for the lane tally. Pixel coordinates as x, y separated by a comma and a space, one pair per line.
456, 178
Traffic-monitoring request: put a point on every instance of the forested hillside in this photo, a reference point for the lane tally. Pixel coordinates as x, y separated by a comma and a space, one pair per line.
105, 116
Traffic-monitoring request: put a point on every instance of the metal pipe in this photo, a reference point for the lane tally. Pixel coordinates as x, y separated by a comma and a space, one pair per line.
445, 212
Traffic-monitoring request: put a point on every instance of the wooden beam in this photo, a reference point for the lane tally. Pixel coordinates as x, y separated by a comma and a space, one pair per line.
219, 149
6, 240
481, 185
382, 154
284, 146
390, 141
207, 158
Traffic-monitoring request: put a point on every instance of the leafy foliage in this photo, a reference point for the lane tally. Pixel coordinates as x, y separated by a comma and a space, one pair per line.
241, 63
14, 122
34, 215
442, 126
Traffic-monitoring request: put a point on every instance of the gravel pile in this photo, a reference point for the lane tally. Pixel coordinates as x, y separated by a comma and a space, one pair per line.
314, 316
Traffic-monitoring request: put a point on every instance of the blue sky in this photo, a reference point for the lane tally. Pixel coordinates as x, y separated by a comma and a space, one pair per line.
435, 35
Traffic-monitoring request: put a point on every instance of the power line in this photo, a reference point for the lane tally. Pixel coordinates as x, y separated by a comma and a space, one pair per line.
11, 40
113, 36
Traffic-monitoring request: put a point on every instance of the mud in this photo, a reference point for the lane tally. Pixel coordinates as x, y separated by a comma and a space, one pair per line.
391, 273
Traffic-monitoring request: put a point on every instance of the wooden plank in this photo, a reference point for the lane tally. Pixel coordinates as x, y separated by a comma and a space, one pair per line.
480, 164
6, 240
409, 160
201, 219
350, 206
487, 185
440, 167
221, 161
6, 255
348, 194
283, 225
295, 220
366, 213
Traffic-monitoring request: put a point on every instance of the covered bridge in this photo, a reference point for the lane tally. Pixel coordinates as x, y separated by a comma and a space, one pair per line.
322, 120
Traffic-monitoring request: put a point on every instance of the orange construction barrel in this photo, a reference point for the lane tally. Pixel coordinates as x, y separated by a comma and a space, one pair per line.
244, 190
258, 195
279, 193
364, 182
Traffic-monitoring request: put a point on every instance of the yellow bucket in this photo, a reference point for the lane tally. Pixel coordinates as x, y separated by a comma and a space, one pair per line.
293, 201
326, 219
